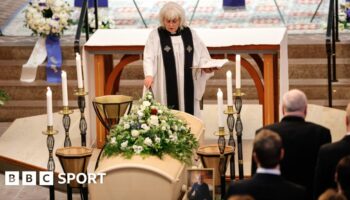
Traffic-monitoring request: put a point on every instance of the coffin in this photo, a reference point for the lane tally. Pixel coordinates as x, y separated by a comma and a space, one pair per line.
144, 178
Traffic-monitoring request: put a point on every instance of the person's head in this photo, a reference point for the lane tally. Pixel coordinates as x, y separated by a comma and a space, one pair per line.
294, 103
331, 194
199, 179
240, 197
267, 149
342, 175
348, 117
172, 17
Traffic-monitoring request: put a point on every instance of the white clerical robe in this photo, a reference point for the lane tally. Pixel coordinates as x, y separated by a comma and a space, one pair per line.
153, 66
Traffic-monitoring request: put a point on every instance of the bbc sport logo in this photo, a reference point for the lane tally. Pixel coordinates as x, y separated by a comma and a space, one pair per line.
46, 178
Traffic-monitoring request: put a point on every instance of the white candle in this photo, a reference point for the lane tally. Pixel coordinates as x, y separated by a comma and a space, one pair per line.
64, 88
79, 71
49, 107
220, 108
238, 71
229, 88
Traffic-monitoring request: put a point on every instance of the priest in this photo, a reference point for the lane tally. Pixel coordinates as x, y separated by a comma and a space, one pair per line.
172, 59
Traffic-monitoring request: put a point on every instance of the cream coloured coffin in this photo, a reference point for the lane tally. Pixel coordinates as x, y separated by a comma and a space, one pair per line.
147, 178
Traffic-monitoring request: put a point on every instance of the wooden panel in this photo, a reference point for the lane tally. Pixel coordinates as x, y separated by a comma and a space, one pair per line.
269, 99
99, 91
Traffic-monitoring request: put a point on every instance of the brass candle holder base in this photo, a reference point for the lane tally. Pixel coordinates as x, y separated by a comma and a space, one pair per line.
238, 93
220, 132
65, 111
50, 131
230, 110
80, 92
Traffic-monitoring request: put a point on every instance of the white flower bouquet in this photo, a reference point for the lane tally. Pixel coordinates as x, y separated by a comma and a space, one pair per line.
151, 129
48, 17
104, 21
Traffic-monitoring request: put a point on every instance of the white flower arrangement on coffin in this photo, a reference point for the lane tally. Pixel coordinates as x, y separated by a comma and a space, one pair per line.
151, 129
48, 17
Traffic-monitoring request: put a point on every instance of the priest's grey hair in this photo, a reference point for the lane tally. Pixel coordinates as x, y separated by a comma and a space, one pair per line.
294, 100
170, 11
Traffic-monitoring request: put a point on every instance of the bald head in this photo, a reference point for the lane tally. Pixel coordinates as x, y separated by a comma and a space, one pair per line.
294, 102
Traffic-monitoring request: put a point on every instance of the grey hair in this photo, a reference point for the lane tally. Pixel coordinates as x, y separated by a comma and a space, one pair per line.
294, 100
170, 11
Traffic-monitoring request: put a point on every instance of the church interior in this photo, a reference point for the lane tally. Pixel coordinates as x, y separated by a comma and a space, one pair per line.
71, 97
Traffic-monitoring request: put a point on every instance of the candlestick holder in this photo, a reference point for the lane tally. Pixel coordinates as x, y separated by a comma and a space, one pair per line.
231, 142
222, 164
66, 124
239, 130
50, 142
80, 93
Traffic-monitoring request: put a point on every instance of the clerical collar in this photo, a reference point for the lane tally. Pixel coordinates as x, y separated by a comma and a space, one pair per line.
177, 33
348, 133
274, 171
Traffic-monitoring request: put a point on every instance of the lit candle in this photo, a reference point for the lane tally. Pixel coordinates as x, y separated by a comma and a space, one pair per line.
64, 88
220, 108
238, 71
79, 71
229, 88
49, 107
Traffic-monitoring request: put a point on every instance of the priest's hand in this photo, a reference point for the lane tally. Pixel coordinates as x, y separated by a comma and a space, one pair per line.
209, 70
148, 81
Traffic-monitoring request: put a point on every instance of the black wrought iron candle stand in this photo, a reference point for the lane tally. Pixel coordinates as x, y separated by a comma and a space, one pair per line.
231, 141
66, 124
81, 104
239, 130
50, 142
222, 163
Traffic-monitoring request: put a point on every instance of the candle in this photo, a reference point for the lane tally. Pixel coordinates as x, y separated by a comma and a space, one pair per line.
64, 88
238, 71
79, 71
220, 108
49, 107
229, 88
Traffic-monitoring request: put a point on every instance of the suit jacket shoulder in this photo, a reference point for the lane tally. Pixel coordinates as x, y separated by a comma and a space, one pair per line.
267, 187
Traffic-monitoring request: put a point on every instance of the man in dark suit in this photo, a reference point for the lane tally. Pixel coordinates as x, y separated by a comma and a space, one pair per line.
301, 141
328, 158
342, 176
199, 190
267, 183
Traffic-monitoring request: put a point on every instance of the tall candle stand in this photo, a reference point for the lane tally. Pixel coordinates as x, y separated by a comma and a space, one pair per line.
231, 142
222, 167
81, 104
50, 142
66, 124
239, 129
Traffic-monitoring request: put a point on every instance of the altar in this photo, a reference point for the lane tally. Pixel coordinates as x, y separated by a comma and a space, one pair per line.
266, 46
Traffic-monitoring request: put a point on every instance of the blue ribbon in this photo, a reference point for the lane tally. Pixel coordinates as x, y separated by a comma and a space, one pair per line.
234, 3
54, 59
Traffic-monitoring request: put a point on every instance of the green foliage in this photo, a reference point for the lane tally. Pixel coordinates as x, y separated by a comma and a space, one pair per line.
3, 97
151, 129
